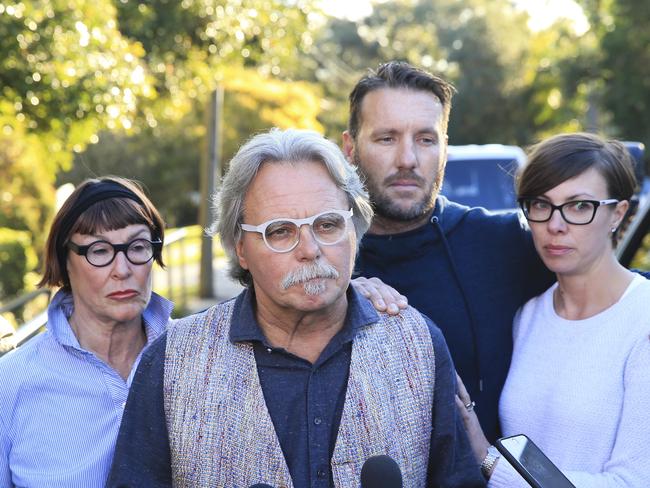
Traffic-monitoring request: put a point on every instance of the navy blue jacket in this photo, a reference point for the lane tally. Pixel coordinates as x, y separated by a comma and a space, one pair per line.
468, 270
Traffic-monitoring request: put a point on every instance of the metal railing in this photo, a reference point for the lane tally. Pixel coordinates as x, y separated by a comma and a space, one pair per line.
176, 268
27, 330
632, 236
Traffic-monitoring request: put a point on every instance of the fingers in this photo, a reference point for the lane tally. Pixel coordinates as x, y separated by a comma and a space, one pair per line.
473, 428
383, 297
465, 415
368, 290
462, 391
460, 404
463, 400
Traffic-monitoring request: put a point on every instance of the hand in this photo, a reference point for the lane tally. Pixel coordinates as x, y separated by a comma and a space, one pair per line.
383, 297
466, 409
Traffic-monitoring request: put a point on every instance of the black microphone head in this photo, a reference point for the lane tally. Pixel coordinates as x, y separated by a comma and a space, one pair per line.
381, 472
261, 485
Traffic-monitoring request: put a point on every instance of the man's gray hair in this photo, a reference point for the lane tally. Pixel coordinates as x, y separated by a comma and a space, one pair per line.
281, 146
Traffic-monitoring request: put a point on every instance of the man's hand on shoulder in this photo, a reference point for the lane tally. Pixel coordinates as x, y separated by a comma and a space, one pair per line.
383, 297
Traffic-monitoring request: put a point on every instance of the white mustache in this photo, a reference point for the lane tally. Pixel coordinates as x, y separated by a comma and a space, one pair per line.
309, 272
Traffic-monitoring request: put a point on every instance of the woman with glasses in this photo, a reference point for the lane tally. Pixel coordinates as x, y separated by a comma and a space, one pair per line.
579, 380
63, 393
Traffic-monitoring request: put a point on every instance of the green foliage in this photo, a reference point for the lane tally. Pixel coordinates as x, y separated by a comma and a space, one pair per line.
27, 175
479, 45
261, 33
626, 68
166, 163
167, 158
189, 45
486, 48
557, 87
17, 258
254, 103
66, 70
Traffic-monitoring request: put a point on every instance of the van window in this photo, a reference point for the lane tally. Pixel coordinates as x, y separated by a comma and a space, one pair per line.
481, 183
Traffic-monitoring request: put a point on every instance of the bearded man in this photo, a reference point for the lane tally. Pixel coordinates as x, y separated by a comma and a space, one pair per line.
467, 269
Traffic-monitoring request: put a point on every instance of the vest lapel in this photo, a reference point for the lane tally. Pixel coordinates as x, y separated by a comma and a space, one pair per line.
388, 401
220, 430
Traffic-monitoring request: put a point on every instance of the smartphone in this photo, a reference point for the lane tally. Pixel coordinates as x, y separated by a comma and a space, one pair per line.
531, 463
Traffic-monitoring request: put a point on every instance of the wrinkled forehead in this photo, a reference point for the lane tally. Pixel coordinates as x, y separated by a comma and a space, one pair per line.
291, 190
402, 106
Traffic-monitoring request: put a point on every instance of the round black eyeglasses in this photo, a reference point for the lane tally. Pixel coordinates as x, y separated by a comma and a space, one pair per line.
576, 212
102, 253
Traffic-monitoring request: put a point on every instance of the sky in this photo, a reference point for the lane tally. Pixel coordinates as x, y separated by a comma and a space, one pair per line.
542, 12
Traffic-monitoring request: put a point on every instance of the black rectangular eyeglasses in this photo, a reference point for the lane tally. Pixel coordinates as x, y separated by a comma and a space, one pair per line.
576, 212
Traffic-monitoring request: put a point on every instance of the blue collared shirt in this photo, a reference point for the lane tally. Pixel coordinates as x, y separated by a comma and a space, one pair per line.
61, 406
305, 402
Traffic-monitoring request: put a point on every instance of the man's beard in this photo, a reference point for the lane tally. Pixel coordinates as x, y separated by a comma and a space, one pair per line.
385, 207
304, 275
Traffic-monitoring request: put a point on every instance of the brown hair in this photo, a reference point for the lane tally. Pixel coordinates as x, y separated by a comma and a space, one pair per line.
565, 156
398, 74
128, 205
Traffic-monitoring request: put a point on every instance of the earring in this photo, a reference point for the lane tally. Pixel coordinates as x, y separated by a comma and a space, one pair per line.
613, 230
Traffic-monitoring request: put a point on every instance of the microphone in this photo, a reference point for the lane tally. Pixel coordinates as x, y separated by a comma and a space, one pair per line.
381, 472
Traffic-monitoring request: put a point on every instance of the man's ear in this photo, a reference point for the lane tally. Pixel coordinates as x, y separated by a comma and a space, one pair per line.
239, 249
348, 146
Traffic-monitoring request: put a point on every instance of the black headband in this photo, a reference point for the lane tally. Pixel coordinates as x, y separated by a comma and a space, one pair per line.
93, 193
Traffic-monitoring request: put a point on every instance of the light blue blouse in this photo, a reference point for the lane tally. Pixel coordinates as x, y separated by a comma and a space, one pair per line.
61, 406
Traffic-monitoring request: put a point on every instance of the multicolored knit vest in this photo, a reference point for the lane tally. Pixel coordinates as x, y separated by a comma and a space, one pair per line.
220, 430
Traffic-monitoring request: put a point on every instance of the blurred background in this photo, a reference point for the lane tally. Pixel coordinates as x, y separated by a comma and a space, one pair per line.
125, 87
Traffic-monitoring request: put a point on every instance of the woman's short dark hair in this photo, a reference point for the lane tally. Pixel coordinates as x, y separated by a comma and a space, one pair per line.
565, 156
106, 214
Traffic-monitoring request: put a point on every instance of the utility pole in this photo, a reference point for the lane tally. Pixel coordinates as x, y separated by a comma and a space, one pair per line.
210, 176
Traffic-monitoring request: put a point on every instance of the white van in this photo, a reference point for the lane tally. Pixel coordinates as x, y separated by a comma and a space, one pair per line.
483, 175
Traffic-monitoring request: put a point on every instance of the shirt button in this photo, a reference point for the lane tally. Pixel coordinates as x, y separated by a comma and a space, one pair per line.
317, 420
321, 473
124, 405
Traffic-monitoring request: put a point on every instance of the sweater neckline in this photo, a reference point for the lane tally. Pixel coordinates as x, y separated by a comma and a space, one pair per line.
598, 318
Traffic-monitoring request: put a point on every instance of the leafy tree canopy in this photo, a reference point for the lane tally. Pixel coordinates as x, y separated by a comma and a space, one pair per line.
66, 71
166, 158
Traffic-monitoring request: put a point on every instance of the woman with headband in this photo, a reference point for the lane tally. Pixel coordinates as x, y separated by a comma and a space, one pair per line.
62, 394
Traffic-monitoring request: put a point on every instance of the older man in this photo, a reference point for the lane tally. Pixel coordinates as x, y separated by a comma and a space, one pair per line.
298, 380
